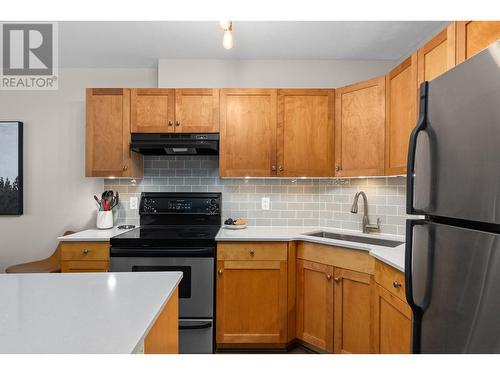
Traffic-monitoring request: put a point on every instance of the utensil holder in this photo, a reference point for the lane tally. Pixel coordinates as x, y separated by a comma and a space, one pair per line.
104, 219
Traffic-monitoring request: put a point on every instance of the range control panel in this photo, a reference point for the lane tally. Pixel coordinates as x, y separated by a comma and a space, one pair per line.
188, 203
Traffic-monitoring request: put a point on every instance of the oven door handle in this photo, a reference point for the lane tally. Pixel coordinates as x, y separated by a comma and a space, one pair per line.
203, 325
161, 252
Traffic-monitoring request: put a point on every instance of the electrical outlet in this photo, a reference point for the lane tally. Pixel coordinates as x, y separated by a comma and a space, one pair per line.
133, 203
265, 203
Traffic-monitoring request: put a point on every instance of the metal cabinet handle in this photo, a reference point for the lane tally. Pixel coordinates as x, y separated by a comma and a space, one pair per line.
124, 167
170, 123
396, 284
337, 279
280, 168
177, 123
252, 252
337, 167
328, 276
85, 252
273, 168
221, 271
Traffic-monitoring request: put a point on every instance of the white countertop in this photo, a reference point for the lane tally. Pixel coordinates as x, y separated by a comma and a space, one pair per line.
81, 312
394, 256
94, 234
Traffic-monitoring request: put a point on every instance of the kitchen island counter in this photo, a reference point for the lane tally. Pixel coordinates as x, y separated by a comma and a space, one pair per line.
84, 313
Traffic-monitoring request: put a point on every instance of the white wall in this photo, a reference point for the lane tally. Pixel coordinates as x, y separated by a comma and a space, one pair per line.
57, 196
267, 73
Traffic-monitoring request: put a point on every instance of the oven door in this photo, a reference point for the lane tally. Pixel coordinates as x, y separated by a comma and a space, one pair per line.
196, 289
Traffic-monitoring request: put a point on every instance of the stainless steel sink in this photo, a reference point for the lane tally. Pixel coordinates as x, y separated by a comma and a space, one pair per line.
348, 237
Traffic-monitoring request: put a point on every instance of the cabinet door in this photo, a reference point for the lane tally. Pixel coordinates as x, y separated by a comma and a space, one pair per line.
315, 304
305, 132
108, 135
473, 36
401, 114
360, 129
248, 132
197, 110
251, 302
353, 312
152, 110
392, 323
437, 55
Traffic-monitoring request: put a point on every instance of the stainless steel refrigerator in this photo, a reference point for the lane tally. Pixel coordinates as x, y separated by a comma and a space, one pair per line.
453, 254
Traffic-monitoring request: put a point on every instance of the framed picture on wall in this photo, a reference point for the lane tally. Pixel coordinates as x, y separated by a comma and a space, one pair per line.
11, 168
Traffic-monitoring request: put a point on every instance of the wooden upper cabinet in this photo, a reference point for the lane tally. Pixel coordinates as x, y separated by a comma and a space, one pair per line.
353, 312
360, 129
437, 55
392, 323
152, 110
305, 132
314, 317
108, 135
401, 114
473, 36
197, 110
248, 132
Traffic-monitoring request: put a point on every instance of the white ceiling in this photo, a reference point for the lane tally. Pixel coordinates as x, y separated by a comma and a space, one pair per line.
141, 44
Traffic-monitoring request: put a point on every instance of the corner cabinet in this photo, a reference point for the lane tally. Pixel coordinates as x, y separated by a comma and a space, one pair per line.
360, 129
107, 141
305, 132
473, 36
248, 132
401, 114
252, 294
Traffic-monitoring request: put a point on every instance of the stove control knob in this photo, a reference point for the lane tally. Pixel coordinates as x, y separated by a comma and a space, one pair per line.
213, 202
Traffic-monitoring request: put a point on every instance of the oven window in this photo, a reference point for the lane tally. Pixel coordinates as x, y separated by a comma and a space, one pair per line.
185, 284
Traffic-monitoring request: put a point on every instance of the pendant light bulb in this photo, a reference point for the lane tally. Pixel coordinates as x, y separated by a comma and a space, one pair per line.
227, 39
225, 25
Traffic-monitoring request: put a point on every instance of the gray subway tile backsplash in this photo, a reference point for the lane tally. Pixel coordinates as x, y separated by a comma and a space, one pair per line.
300, 202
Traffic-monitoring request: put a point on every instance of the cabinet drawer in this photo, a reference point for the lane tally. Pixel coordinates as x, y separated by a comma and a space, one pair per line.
85, 251
85, 266
252, 251
391, 279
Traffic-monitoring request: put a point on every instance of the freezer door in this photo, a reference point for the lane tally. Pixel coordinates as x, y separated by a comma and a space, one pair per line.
453, 279
457, 150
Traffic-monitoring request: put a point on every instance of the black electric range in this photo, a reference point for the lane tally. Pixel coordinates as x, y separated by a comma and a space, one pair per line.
177, 233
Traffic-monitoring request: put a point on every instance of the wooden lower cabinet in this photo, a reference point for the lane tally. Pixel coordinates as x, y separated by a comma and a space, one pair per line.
353, 312
84, 256
251, 295
315, 304
392, 323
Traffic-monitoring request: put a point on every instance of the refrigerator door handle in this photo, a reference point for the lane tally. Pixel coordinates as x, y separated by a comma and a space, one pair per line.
412, 147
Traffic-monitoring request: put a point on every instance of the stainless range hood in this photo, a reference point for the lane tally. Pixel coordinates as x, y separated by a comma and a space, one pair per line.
175, 143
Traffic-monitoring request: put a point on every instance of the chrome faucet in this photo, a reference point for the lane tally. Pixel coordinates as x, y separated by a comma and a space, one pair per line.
367, 227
